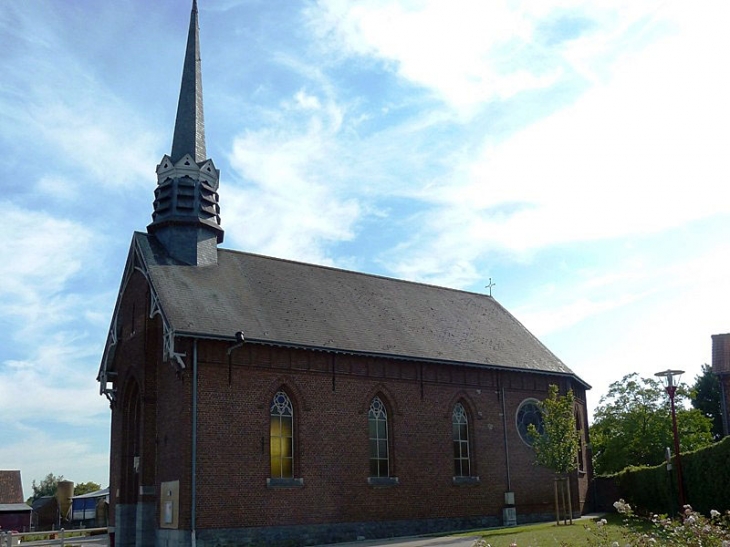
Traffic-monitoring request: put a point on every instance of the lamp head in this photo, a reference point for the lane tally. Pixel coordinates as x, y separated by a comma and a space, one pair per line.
670, 377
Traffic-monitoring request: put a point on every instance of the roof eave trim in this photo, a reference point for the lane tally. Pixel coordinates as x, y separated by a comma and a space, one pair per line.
264, 342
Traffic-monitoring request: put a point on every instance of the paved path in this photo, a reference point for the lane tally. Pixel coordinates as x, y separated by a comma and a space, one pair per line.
443, 541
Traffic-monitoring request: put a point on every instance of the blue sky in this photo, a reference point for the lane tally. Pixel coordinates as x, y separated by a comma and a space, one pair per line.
573, 152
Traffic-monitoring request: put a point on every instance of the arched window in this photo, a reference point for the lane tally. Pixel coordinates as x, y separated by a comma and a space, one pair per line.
529, 413
460, 433
378, 428
281, 437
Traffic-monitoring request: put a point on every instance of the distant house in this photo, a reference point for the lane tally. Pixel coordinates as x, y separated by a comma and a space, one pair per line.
46, 514
14, 512
90, 510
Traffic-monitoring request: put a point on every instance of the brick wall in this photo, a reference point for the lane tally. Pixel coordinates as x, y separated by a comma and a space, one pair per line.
331, 439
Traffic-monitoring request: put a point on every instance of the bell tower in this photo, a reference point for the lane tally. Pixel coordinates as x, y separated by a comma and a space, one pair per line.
186, 215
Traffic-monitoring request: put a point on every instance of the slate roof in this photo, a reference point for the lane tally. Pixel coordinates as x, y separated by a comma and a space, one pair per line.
11, 487
287, 303
189, 134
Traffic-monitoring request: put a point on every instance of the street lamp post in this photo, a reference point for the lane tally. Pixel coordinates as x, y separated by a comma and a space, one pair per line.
671, 380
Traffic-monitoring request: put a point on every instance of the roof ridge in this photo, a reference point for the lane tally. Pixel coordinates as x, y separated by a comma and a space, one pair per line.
356, 272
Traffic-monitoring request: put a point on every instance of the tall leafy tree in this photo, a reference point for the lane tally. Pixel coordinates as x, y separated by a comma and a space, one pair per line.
557, 447
47, 487
706, 397
633, 426
86, 488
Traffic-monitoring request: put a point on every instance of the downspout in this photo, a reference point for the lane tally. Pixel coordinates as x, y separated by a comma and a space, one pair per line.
723, 405
506, 445
194, 442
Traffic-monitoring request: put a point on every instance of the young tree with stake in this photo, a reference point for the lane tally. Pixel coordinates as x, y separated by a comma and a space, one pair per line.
557, 447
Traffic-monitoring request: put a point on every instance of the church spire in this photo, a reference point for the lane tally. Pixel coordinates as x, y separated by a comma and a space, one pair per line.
189, 136
186, 216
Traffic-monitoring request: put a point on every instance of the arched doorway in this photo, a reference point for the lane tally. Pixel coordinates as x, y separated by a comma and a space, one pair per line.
131, 443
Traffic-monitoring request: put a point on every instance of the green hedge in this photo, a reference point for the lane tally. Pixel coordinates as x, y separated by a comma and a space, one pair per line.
706, 482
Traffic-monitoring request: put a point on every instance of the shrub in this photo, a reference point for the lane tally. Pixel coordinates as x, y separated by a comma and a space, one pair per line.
690, 529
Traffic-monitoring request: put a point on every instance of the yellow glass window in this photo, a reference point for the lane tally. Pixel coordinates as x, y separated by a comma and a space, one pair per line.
281, 437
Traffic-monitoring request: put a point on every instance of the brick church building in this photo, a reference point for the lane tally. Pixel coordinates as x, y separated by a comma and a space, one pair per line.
262, 401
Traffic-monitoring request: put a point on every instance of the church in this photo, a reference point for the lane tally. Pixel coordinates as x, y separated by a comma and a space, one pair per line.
261, 401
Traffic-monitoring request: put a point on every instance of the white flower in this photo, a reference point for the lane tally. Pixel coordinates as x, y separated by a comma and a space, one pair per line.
714, 513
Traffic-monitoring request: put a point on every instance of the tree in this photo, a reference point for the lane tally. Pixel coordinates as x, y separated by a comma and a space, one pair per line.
706, 397
633, 425
47, 487
557, 447
85, 488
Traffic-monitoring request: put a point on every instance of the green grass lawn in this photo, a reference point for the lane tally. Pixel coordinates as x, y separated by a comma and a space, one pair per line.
550, 534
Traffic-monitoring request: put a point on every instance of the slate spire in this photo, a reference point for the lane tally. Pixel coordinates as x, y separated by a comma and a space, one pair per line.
189, 136
186, 215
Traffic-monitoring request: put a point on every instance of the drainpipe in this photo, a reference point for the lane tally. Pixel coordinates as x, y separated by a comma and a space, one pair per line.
506, 445
194, 442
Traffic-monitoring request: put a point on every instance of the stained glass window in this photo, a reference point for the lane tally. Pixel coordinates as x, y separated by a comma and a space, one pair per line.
460, 432
529, 413
281, 437
378, 433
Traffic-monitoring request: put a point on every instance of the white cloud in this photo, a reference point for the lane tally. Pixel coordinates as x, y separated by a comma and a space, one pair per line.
47, 318
39, 255
63, 392
287, 207
652, 314
100, 135
306, 101
499, 50
54, 99
638, 155
58, 187
74, 457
